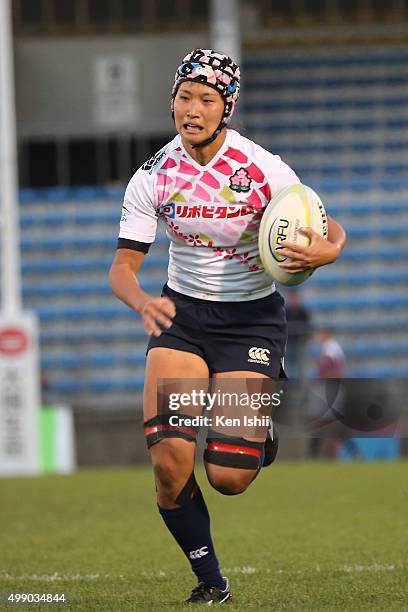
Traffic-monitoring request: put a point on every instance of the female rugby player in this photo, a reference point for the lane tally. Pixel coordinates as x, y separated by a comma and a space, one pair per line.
219, 316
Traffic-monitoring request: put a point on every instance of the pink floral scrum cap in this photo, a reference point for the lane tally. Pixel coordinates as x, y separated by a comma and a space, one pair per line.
213, 69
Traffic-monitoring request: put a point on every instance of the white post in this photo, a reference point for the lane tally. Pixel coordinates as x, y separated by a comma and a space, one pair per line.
225, 28
10, 235
19, 360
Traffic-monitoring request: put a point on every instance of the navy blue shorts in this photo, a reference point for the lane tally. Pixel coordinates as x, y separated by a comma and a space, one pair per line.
249, 336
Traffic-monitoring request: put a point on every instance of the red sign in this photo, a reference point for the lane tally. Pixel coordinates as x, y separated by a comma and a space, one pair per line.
13, 341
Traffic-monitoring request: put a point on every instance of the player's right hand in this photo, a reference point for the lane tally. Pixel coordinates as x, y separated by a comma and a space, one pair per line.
157, 313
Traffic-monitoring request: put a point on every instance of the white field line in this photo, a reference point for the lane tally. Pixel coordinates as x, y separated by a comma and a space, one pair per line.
374, 567
246, 569
56, 577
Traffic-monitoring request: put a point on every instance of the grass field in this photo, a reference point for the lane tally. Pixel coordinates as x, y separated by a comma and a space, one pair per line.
303, 537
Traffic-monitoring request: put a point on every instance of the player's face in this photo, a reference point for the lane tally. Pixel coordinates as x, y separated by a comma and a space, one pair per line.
198, 110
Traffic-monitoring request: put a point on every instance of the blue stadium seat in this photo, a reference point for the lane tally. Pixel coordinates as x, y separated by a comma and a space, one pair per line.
352, 325
351, 301
87, 193
61, 243
376, 57
74, 194
87, 243
106, 336
105, 359
288, 81
321, 105
365, 351
81, 313
65, 386
305, 124
66, 361
85, 265
28, 195
377, 254
359, 278
60, 217
56, 194
362, 208
79, 289
104, 385
362, 232
380, 371
111, 359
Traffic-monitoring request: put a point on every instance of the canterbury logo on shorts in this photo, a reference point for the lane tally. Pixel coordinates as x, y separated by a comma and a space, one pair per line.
258, 355
200, 552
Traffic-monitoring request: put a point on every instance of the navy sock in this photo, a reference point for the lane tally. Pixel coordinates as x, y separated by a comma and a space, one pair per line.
190, 527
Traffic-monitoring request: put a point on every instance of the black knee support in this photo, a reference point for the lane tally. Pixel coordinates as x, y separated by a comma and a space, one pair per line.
159, 427
229, 451
186, 493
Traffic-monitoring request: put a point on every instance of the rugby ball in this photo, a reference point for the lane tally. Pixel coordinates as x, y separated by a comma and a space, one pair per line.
291, 209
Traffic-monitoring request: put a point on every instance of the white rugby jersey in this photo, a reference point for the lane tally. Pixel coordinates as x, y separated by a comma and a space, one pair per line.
211, 213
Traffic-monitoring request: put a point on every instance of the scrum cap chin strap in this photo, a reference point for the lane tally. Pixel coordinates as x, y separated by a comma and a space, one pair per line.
211, 138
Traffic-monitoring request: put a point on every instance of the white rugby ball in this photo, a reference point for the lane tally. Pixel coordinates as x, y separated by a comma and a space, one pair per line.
291, 209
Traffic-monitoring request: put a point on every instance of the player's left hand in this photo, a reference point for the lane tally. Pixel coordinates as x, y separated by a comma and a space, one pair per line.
318, 253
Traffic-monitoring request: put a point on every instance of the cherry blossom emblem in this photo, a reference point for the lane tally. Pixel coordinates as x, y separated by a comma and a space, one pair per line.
240, 181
